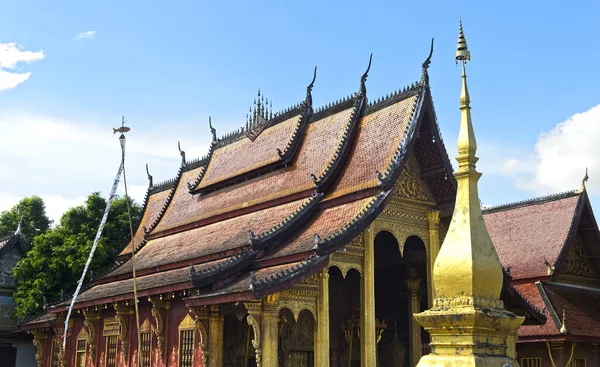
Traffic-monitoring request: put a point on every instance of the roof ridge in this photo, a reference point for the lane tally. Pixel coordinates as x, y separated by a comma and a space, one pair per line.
532, 201
352, 228
270, 236
374, 104
343, 144
167, 202
301, 269
206, 275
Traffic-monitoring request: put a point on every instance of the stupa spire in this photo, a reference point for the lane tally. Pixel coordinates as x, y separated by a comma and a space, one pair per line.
467, 264
467, 313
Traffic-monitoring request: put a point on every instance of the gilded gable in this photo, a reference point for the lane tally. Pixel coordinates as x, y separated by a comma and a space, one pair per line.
576, 262
410, 185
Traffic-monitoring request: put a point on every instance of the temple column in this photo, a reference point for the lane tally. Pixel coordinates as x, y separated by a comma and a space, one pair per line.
270, 332
433, 217
368, 341
414, 329
321, 347
216, 322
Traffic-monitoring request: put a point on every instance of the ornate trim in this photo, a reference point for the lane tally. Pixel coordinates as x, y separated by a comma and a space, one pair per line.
160, 305
123, 310
39, 338
254, 315
91, 316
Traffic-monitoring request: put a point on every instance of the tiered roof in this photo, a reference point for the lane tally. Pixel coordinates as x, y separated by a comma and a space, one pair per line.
263, 209
270, 201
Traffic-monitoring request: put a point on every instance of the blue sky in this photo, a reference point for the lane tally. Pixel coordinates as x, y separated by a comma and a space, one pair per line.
533, 81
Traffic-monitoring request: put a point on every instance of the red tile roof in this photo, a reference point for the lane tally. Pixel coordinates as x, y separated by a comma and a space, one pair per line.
153, 206
208, 240
532, 294
316, 151
525, 234
370, 152
581, 306
227, 162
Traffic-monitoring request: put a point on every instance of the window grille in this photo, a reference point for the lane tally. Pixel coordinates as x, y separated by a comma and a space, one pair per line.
186, 348
146, 354
111, 351
80, 353
56, 344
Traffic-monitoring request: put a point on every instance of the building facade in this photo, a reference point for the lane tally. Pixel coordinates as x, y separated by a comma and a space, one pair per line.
16, 349
306, 238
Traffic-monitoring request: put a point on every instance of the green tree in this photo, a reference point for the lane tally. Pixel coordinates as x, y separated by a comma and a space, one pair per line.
58, 256
32, 211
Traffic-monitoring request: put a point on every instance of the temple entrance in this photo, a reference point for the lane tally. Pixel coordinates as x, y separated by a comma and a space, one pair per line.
237, 341
400, 288
344, 318
296, 339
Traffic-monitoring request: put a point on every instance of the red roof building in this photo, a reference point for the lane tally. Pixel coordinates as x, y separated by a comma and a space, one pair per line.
260, 252
551, 247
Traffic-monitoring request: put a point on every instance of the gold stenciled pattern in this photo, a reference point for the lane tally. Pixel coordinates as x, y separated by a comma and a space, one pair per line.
410, 184
576, 262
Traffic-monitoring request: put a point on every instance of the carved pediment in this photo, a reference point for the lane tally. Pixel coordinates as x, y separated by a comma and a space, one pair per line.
577, 263
410, 185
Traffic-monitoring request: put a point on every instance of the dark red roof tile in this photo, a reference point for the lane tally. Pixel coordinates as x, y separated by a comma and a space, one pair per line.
525, 235
316, 151
245, 155
324, 223
371, 152
207, 240
581, 306
153, 206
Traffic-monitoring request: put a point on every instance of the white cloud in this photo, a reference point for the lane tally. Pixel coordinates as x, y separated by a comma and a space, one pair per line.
559, 159
563, 153
89, 35
64, 160
10, 56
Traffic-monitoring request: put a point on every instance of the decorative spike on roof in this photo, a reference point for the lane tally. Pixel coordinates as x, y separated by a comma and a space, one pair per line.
259, 116
308, 99
363, 78
167, 202
425, 66
182, 153
149, 177
213, 131
585, 179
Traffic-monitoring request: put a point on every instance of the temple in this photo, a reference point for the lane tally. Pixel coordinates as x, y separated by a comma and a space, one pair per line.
306, 238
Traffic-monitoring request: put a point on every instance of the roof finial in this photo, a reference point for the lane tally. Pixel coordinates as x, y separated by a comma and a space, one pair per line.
182, 153
213, 131
308, 99
363, 78
585, 179
149, 176
426, 64
18, 231
563, 326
